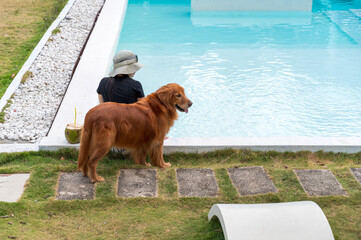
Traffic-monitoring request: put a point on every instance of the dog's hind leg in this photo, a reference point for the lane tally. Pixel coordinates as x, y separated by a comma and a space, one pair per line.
84, 150
156, 154
93, 164
100, 152
92, 148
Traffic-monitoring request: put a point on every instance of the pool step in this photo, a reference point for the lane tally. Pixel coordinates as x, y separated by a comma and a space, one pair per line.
348, 22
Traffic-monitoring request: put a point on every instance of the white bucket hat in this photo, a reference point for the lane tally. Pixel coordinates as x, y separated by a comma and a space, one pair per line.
125, 62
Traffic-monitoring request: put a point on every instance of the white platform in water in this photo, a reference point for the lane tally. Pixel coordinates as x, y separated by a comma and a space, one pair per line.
253, 18
254, 5
272, 221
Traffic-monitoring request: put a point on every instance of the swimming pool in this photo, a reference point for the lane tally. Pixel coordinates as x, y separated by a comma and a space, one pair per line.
253, 74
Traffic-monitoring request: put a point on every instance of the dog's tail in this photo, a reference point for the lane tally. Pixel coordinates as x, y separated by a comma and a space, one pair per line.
84, 146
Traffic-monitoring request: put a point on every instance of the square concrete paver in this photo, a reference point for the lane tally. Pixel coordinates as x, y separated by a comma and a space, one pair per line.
12, 186
137, 183
319, 182
357, 173
251, 180
196, 183
74, 186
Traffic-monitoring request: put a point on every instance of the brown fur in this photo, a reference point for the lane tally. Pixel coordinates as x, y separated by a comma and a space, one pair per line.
139, 127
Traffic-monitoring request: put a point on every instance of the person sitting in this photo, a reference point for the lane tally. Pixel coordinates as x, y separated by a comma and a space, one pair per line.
120, 86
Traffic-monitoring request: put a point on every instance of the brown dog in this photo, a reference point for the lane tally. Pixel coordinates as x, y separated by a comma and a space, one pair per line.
139, 127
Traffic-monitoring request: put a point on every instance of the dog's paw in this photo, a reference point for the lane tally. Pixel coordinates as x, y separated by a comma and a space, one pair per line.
166, 165
97, 179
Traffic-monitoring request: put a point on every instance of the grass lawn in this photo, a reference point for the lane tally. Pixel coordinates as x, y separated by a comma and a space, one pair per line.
39, 216
22, 24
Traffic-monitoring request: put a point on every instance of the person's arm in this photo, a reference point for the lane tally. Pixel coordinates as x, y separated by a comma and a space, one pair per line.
100, 90
140, 92
100, 97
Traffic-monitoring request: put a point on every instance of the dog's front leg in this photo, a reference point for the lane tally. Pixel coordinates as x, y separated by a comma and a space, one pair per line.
139, 157
156, 154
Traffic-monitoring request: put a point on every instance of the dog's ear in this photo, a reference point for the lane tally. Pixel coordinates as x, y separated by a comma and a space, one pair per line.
165, 95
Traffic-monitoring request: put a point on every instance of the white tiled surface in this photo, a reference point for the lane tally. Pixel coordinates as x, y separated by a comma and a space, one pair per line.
12, 186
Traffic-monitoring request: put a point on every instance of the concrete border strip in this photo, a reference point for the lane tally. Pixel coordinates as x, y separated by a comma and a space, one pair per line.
17, 147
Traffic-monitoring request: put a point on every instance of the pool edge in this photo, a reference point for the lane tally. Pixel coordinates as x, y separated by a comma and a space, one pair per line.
201, 145
280, 144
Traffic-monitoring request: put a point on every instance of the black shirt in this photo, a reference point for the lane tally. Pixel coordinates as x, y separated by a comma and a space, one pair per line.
120, 89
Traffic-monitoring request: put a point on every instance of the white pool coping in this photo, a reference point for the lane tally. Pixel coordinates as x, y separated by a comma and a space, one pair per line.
279, 144
93, 66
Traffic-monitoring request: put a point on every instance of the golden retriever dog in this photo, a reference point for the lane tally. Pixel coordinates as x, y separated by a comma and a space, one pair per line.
140, 127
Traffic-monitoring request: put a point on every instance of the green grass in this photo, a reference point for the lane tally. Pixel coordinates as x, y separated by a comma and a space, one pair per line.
39, 216
55, 31
22, 25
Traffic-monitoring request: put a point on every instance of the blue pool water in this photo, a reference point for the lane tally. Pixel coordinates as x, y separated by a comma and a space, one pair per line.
253, 74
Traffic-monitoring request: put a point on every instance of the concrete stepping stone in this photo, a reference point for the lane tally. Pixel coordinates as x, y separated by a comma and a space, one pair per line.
357, 173
75, 186
196, 183
137, 183
12, 186
251, 180
319, 182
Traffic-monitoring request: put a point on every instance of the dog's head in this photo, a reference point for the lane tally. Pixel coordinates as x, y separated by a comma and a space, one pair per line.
173, 94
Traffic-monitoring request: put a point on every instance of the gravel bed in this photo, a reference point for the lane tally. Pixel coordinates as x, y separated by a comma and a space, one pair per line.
35, 102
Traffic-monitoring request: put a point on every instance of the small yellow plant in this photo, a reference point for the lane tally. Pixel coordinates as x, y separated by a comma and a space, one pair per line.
75, 118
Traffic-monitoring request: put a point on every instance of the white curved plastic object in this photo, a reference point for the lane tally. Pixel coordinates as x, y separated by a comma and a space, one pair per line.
272, 221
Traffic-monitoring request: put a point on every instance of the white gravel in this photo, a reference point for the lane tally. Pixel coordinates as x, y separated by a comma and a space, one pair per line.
35, 102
